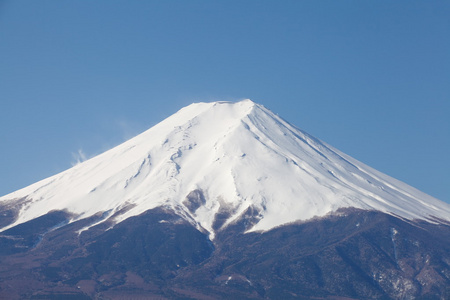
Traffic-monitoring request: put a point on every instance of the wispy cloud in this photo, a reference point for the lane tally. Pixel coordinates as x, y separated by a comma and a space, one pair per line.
127, 128
78, 157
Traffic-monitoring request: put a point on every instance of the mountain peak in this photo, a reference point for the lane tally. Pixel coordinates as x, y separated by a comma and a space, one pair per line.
214, 163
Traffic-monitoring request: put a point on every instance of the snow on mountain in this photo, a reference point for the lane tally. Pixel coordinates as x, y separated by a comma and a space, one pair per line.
236, 155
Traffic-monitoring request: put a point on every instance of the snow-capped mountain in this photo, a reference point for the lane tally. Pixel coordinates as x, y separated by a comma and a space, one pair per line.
204, 206
222, 158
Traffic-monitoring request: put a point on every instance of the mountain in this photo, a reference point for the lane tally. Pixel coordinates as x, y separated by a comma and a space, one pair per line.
225, 158
223, 200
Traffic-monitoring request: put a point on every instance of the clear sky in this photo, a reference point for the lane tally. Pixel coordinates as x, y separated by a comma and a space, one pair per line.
371, 78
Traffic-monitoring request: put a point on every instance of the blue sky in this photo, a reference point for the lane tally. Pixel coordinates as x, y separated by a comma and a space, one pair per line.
371, 78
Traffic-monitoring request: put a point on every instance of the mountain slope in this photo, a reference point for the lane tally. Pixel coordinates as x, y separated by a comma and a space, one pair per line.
354, 254
211, 163
223, 201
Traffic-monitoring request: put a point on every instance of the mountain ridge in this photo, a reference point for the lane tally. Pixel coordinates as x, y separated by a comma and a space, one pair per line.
223, 200
236, 157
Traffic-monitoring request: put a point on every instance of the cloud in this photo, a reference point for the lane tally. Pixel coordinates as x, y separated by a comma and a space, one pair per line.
78, 157
128, 128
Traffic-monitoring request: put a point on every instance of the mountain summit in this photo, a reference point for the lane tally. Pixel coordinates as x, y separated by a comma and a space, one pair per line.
223, 201
212, 163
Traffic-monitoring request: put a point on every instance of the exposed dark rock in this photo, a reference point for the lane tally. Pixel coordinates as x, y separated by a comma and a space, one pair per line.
246, 221
28, 235
224, 213
194, 200
9, 211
